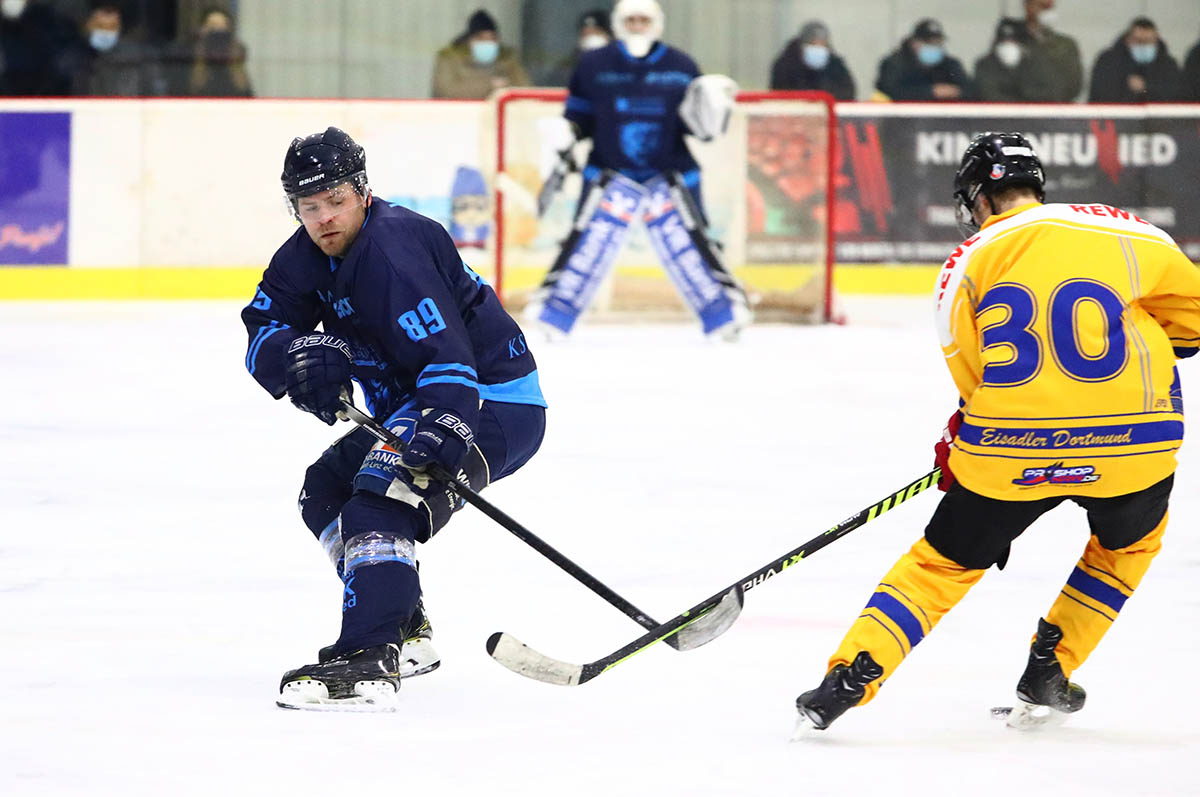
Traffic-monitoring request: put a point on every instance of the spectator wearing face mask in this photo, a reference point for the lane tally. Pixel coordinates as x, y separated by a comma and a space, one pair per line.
1052, 69
218, 59
1137, 68
920, 69
593, 32
1000, 75
476, 63
36, 50
808, 63
113, 64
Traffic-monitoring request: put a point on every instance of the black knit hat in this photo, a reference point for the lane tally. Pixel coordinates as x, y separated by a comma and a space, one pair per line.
596, 18
481, 21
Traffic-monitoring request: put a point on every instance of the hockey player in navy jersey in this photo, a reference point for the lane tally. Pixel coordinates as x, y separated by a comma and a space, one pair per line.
636, 99
440, 364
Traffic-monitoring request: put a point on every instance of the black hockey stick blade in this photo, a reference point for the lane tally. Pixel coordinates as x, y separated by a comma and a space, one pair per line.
524, 660
525, 535
705, 625
564, 166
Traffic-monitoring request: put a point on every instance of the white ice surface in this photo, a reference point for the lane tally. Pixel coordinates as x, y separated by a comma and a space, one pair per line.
155, 580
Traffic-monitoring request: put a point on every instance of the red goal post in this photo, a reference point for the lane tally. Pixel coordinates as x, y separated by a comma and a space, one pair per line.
769, 191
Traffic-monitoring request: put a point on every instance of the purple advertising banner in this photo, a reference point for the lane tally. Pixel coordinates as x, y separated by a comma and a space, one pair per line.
35, 188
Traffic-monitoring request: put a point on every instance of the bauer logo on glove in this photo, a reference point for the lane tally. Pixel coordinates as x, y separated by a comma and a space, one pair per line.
441, 438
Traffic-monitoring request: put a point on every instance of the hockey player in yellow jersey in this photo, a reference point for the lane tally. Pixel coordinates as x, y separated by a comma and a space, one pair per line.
1061, 325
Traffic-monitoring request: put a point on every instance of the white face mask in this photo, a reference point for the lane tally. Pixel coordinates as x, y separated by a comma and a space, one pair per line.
1048, 17
12, 9
593, 41
638, 44
1008, 53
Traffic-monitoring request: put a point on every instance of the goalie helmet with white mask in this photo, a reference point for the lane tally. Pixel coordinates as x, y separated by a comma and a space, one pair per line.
708, 106
637, 36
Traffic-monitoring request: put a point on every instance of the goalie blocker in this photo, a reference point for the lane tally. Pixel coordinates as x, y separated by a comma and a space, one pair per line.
675, 224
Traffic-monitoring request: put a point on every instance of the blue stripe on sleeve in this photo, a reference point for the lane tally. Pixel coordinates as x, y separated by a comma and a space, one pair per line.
898, 613
440, 367
1097, 590
523, 390
259, 340
448, 380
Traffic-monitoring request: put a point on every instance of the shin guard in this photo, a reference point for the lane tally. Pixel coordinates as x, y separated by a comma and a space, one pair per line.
915, 594
676, 228
1098, 587
596, 238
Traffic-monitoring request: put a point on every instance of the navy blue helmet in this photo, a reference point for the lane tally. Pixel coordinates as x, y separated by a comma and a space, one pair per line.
319, 162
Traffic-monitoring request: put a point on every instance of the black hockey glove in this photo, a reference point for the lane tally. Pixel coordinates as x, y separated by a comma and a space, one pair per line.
441, 438
318, 371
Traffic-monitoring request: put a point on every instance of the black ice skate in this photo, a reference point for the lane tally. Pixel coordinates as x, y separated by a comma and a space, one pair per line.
417, 655
841, 690
365, 680
1044, 695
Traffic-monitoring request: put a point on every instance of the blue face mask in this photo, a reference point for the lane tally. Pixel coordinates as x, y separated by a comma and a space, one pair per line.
103, 40
815, 56
485, 51
930, 54
1143, 53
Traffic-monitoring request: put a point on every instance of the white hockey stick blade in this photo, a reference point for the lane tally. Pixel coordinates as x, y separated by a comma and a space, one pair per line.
1029, 717
517, 193
370, 696
524, 660
713, 623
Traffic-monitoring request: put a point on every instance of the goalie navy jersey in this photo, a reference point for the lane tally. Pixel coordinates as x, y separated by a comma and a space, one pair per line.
630, 109
425, 330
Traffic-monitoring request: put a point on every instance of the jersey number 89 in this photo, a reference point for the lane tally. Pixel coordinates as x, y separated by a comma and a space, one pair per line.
1067, 300
426, 320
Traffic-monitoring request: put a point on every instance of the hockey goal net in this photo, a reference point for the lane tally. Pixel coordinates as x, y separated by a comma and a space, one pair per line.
767, 188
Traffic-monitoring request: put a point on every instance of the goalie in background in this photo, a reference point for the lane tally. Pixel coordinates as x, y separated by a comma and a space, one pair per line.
1061, 325
636, 99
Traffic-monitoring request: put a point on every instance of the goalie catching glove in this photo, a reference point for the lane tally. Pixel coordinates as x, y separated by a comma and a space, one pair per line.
317, 369
441, 438
708, 106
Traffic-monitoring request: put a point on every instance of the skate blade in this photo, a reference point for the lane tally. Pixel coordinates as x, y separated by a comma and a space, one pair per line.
418, 657
369, 696
804, 729
1029, 716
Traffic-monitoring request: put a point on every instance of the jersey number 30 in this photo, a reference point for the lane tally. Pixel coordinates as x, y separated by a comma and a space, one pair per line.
426, 320
1067, 300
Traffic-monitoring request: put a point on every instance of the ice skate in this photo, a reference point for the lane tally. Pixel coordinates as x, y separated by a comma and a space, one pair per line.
1045, 698
731, 331
842, 689
417, 655
365, 680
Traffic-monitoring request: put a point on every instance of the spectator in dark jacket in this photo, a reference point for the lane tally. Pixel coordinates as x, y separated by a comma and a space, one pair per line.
920, 68
113, 64
1052, 70
1137, 68
998, 75
593, 32
36, 48
808, 63
1191, 75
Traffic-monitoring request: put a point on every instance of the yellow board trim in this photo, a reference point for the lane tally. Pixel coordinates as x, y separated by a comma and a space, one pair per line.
32, 283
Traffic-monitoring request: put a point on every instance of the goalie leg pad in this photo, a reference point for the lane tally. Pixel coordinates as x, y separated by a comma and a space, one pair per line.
600, 229
675, 225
